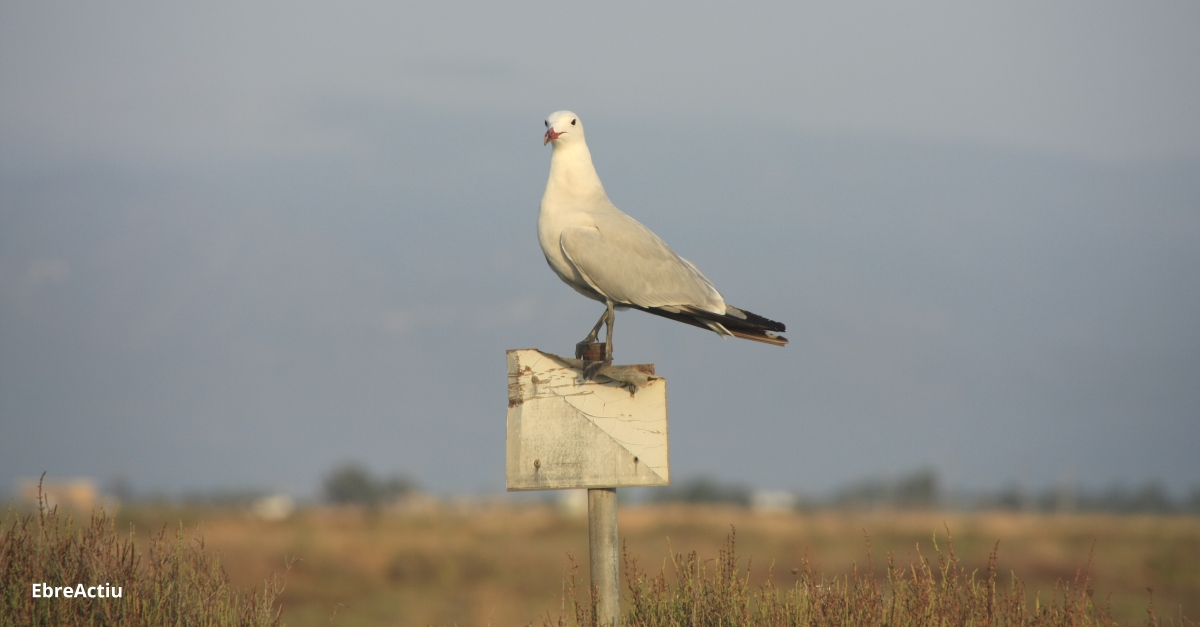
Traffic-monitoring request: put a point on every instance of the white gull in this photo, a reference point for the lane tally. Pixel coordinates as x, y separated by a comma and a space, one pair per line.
610, 257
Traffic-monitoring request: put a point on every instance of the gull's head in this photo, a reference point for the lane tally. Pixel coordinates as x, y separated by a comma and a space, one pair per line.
563, 128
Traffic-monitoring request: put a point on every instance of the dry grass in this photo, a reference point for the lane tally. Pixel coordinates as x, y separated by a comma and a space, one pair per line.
508, 566
170, 581
698, 593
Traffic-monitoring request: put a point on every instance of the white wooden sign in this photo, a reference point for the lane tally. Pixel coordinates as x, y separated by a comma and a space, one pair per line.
565, 432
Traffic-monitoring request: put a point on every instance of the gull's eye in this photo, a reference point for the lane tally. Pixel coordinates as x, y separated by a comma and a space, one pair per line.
547, 123
572, 122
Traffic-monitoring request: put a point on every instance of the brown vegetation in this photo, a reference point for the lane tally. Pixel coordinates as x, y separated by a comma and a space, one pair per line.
507, 565
167, 580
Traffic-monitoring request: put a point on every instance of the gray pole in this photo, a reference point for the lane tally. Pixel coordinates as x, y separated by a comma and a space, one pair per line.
602, 546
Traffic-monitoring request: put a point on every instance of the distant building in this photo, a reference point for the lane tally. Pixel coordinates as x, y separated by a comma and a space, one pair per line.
79, 493
772, 501
573, 502
274, 507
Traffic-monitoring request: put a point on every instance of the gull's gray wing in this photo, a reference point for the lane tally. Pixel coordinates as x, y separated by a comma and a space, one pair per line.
628, 263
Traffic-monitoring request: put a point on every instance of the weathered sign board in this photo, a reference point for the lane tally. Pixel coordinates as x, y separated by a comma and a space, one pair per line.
567, 432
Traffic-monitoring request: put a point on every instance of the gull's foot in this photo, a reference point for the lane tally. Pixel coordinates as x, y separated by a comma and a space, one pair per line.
591, 369
593, 355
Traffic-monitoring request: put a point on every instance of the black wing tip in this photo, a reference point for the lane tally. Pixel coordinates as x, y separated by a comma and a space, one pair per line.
751, 319
748, 326
754, 320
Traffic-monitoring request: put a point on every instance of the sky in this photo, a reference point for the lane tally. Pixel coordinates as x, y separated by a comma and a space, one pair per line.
241, 244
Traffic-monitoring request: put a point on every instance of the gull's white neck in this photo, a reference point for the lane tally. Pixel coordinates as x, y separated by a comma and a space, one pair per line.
573, 178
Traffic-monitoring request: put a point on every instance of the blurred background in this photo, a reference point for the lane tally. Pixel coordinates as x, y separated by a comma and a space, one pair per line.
243, 246
259, 265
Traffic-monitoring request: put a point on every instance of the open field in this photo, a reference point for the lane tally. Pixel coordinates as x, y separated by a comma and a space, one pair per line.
505, 565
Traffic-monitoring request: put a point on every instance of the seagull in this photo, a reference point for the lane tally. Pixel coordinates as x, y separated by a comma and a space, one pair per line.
608, 256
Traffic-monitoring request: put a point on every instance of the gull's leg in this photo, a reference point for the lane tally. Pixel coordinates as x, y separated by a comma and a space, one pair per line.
591, 368
591, 337
611, 316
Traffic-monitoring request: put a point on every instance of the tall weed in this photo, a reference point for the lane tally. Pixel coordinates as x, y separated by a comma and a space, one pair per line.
172, 581
690, 592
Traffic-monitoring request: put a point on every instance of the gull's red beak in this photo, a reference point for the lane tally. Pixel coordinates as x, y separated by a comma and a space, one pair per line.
551, 135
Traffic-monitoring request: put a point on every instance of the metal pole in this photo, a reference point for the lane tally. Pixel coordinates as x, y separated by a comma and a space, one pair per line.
602, 546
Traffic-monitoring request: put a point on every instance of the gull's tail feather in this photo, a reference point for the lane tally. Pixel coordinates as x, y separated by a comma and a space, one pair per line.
735, 322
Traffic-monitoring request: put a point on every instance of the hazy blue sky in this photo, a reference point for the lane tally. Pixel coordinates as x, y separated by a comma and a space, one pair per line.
241, 243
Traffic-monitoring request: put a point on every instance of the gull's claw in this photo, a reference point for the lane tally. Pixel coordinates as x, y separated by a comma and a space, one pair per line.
591, 369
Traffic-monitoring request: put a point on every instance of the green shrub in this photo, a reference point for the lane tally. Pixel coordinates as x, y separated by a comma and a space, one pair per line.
172, 582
